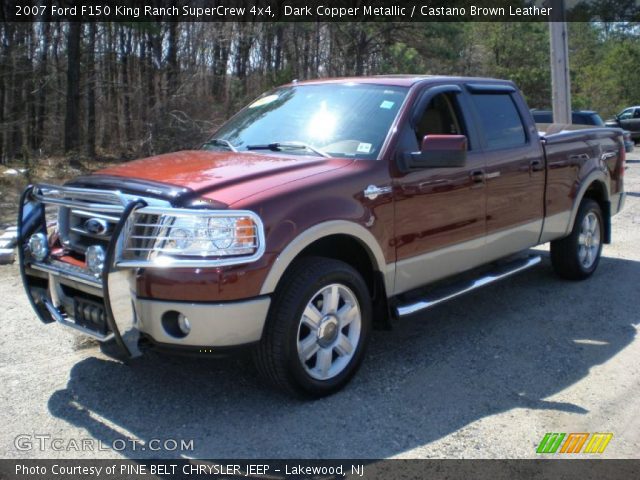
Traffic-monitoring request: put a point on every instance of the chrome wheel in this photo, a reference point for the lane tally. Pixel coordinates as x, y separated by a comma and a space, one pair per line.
329, 331
589, 240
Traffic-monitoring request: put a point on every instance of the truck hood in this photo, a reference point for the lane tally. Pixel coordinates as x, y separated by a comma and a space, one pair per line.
226, 177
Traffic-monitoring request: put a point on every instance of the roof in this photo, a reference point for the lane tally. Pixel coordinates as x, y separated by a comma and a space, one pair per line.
396, 80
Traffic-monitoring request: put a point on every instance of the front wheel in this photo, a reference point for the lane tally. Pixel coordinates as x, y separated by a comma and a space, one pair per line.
576, 257
317, 330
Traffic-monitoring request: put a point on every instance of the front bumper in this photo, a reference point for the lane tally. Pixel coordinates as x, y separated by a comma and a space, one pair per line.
213, 325
107, 307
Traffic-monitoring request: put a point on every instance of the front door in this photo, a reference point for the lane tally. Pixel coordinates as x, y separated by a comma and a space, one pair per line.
630, 120
440, 212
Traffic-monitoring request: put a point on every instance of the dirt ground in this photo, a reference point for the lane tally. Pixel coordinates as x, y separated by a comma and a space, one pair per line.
14, 178
485, 376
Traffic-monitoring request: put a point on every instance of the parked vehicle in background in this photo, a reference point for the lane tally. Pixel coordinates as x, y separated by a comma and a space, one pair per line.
627, 119
584, 117
315, 214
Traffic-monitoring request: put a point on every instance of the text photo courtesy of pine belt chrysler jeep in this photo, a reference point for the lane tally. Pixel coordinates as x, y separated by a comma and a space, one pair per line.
318, 212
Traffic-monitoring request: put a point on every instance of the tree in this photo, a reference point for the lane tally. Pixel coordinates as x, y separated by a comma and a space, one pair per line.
72, 115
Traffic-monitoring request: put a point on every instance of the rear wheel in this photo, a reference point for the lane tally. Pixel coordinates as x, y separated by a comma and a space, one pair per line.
576, 257
317, 330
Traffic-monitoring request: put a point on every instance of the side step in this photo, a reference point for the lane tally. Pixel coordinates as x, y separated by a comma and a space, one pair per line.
447, 293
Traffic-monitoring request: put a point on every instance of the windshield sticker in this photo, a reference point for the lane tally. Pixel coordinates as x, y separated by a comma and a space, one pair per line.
364, 147
264, 101
386, 104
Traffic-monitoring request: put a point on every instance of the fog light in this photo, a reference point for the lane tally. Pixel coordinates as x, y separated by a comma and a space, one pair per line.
38, 246
184, 324
95, 259
176, 324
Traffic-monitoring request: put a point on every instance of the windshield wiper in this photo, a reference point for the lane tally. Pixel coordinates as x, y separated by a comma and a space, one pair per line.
278, 146
220, 142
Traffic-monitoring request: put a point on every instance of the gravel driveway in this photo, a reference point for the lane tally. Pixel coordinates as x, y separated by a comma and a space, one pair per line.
485, 376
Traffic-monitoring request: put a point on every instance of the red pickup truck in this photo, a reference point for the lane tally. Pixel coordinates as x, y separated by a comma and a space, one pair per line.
318, 212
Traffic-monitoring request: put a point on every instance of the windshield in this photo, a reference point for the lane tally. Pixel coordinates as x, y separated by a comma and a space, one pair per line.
344, 120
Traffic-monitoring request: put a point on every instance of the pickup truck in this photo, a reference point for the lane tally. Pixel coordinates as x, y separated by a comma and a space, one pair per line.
629, 119
320, 211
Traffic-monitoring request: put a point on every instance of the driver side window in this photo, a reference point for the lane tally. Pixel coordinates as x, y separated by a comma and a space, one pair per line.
440, 118
625, 115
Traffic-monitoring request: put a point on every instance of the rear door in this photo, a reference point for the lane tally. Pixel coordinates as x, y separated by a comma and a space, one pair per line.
515, 170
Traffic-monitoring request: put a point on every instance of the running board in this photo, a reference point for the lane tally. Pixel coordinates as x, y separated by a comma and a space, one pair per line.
452, 291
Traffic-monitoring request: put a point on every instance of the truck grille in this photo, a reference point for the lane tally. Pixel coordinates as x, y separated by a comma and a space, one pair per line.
85, 217
88, 217
80, 229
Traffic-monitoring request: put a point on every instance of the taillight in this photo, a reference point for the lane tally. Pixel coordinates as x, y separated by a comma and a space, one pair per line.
622, 160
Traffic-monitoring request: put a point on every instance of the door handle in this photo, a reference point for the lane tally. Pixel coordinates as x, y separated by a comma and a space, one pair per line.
536, 166
578, 158
477, 176
372, 192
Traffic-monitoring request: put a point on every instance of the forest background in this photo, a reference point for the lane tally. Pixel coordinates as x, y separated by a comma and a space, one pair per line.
116, 91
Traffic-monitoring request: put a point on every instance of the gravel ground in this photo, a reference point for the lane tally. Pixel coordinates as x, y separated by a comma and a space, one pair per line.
482, 377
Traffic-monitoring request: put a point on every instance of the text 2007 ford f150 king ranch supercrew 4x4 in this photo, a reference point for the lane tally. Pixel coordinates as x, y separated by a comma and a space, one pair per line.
319, 211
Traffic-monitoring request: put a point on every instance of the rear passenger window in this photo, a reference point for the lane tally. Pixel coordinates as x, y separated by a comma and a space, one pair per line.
500, 120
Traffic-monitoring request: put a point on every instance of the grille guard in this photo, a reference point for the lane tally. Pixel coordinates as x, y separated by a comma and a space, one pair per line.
117, 282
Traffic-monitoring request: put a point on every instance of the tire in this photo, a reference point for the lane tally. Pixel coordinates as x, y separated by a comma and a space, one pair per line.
576, 257
304, 321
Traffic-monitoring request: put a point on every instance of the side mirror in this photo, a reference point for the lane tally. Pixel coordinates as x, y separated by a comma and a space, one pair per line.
437, 151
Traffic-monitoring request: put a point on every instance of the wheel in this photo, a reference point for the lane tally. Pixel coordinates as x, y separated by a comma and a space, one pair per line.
576, 257
317, 330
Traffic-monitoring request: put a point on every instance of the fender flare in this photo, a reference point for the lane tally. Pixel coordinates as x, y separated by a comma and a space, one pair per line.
322, 230
597, 176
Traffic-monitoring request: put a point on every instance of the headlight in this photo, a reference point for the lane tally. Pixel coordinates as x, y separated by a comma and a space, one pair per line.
161, 237
221, 231
205, 236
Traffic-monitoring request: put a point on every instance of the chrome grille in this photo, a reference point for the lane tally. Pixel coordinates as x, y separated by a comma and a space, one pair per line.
79, 209
76, 231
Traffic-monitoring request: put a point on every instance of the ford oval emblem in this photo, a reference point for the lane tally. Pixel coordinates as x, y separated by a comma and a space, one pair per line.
96, 226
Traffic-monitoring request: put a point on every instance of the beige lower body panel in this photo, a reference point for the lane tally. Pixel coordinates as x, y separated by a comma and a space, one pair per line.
556, 226
212, 324
433, 266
